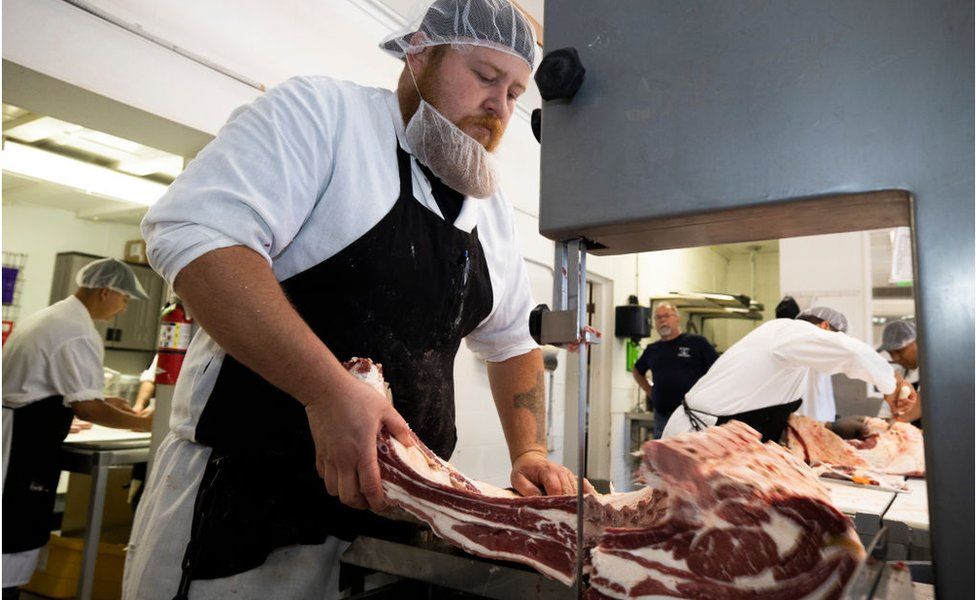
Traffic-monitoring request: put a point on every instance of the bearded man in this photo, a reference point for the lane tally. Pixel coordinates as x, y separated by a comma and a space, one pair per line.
329, 220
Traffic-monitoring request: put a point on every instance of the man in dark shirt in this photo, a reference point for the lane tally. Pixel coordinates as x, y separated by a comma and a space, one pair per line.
676, 362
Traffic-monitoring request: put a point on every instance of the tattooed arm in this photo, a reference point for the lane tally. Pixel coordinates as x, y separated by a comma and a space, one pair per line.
518, 388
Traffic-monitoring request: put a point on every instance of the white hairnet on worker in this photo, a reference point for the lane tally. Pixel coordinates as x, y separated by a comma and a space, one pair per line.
493, 24
113, 274
461, 162
897, 335
836, 319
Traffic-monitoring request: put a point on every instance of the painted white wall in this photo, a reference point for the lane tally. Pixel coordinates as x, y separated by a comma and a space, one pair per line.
831, 270
41, 233
764, 288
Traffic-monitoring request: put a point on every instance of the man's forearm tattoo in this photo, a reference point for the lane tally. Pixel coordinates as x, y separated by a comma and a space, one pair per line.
533, 400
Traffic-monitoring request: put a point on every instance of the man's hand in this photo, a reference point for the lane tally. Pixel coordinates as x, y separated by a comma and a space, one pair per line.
344, 426
534, 474
901, 401
146, 419
850, 428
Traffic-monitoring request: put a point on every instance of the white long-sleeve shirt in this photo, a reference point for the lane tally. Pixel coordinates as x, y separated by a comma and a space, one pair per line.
54, 352
297, 176
818, 400
771, 366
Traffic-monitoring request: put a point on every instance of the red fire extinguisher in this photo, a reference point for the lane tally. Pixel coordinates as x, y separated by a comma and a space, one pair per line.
175, 330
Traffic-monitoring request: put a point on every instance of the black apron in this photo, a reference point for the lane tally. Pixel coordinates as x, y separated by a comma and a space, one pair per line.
404, 294
32, 473
769, 421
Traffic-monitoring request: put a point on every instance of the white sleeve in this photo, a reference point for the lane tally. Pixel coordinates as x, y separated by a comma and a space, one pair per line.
254, 185
505, 333
149, 375
76, 370
833, 352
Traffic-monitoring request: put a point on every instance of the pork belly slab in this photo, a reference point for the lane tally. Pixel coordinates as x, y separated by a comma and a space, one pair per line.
894, 449
722, 516
744, 520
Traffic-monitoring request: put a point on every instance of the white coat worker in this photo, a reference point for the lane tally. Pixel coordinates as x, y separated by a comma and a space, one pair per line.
761, 378
329, 220
900, 347
52, 372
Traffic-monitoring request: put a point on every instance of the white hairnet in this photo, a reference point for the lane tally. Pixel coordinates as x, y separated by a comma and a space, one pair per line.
113, 274
493, 24
836, 319
897, 335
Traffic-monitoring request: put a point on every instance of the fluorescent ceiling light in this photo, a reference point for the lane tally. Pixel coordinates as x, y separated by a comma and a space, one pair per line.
167, 164
93, 179
40, 128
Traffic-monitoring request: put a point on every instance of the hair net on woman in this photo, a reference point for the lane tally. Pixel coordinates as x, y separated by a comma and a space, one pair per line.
493, 24
113, 274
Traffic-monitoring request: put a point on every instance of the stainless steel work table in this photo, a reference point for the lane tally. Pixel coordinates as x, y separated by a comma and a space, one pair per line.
908, 523
432, 561
866, 507
94, 452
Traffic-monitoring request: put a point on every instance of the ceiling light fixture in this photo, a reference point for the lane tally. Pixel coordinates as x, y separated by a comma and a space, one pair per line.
46, 166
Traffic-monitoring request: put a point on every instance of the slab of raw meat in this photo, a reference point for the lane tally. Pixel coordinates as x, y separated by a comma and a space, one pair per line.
893, 452
896, 450
743, 520
484, 520
723, 516
814, 443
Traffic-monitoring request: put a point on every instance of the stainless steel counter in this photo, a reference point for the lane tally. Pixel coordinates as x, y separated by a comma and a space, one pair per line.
94, 452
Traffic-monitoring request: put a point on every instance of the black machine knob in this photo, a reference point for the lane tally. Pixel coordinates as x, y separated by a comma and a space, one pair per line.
537, 124
560, 74
535, 322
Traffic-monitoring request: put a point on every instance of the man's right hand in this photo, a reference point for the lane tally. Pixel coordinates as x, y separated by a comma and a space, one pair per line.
344, 426
899, 404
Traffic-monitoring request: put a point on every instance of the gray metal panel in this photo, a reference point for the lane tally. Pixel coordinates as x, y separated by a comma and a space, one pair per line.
698, 106
702, 122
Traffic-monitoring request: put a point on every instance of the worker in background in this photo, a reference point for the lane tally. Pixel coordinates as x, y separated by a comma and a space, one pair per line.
52, 372
147, 387
818, 401
899, 342
329, 220
761, 378
676, 362
787, 308
142, 404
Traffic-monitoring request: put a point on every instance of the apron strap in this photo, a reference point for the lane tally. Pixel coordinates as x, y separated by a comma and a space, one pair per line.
693, 416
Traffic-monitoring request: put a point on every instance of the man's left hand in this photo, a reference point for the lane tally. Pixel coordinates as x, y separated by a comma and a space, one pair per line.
533, 472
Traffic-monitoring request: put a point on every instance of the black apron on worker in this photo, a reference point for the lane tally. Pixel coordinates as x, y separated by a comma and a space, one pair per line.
32, 473
404, 294
769, 421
